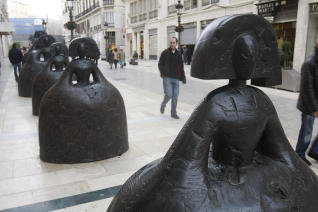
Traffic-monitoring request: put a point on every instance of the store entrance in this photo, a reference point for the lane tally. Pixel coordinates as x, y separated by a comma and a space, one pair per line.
285, 33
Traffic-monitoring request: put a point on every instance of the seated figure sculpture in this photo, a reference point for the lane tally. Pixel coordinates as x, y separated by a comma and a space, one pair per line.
82, 120
232, 154
34, 64
50, 74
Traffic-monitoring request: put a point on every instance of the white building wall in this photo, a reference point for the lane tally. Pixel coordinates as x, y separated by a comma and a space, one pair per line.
302, 30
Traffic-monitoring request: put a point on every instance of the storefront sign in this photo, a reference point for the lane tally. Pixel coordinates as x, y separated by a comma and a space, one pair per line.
268, 9
313, 7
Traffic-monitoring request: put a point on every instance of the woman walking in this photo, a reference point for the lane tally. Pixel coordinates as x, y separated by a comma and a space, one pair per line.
121, 58
110, 58
115, 57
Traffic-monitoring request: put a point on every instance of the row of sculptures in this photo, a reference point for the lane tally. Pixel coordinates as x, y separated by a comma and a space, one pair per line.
231, 155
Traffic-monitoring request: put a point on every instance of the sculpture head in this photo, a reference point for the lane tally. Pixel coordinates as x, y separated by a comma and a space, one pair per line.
243, 58
85, 54
59, 53
84, 48
222, 43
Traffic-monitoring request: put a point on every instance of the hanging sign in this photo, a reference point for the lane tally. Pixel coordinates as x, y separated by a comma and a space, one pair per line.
268, 9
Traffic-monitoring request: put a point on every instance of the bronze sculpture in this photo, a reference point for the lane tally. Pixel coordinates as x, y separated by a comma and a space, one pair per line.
82, 120
50, 74
232, 154
34, 64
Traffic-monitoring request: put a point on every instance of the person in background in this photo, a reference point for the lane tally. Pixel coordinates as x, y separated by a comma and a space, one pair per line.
115, 57
308, 105
172, 71
121, 57
110, 58
15, 57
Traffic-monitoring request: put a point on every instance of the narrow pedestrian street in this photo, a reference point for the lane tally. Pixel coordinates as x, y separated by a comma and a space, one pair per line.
28, 184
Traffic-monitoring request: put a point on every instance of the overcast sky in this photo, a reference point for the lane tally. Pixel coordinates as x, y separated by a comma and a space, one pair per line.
44, 8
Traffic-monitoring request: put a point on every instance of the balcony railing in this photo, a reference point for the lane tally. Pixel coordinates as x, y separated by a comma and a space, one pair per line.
94, 6
143, 17
172, 9
134, 19
108, 2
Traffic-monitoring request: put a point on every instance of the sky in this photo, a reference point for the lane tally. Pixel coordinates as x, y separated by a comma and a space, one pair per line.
44, 8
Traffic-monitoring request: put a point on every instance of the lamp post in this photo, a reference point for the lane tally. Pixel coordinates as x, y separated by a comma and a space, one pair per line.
71, 24
179, 28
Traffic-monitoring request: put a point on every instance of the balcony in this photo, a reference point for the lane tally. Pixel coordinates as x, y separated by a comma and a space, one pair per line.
94, 6
172, 9
108, 2
6, 27
134, 19
143, 17
153, 14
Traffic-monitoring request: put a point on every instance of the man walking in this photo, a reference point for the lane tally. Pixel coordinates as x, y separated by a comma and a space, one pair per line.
15, 57
172, 71
308, 105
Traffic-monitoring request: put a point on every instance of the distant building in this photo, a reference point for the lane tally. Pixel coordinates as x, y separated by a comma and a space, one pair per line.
102, 20
18, 9
6, 30
25, 27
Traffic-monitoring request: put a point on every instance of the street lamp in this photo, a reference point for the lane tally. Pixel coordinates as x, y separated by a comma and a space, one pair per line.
71, 25
179, 28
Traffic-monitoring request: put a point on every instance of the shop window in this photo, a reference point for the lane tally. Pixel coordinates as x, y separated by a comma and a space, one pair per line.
285, 33
190, 4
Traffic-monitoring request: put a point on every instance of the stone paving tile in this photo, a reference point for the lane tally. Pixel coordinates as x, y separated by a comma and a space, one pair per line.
24, 179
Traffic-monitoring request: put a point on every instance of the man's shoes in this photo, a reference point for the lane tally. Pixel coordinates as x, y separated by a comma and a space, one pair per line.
313, 155
306, 161
175, 116
162, 109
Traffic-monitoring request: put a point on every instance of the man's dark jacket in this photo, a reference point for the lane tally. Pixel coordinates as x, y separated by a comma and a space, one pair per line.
15, 56
171, 65
308, 96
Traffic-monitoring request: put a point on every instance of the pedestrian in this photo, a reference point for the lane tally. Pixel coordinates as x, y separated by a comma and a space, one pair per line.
308, 105
185, 54
15, 57
110, 58
172, 71
115, 57
121, 56
135, 55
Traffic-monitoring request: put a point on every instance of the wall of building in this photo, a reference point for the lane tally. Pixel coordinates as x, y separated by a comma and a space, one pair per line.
165, 22
306, 33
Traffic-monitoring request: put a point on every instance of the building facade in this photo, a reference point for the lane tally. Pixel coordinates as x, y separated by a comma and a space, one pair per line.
306, 31
6, 30
102, 20
18, 9
151, 23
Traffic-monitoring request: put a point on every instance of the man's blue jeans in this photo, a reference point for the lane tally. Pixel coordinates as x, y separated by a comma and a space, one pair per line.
171, 90
304, 138
17, 67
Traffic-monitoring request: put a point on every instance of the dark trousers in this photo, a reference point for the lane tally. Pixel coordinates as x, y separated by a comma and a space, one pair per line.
17, 69
304, 138
115, 62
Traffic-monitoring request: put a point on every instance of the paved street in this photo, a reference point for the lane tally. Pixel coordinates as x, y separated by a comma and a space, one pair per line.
28, 184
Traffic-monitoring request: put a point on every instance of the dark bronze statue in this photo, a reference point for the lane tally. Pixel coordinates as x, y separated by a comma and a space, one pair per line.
82, 120
32, 38
232, 154
35, 63
50, 74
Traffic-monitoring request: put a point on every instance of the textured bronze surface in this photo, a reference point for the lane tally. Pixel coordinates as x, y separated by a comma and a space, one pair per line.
50, 74
232, 154
33, 64
82, 120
